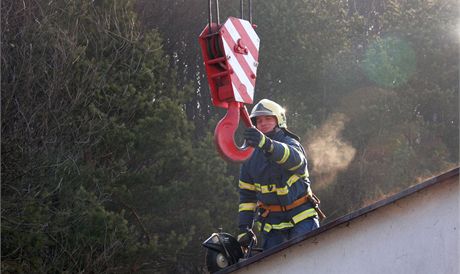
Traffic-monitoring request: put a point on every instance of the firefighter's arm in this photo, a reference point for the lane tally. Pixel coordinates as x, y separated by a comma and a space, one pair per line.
289, 155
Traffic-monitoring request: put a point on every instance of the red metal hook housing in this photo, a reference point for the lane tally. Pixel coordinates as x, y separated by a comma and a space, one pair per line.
230, 53
225, 131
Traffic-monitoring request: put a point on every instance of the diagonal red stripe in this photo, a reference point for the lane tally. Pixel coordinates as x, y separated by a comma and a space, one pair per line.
246, 38
239, 57
241, 89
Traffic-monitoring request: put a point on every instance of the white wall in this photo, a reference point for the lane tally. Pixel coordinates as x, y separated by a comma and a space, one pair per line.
417, 234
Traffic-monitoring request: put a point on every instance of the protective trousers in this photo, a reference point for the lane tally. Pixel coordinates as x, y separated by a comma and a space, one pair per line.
276, 237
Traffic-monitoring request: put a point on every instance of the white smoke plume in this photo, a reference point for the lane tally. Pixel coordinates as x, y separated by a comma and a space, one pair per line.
327, 151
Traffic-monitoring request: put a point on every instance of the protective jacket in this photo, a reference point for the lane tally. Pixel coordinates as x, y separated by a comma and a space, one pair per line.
276, 178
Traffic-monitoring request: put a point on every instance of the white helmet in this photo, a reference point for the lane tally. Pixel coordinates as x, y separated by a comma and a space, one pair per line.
269, 108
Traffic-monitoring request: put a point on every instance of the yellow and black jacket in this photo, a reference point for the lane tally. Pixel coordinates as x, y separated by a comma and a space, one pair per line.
276, 178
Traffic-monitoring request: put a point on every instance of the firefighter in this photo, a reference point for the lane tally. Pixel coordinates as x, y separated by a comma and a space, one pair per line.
274, 180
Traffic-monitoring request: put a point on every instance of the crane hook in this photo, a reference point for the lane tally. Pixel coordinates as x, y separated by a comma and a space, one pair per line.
230, 53
225, 131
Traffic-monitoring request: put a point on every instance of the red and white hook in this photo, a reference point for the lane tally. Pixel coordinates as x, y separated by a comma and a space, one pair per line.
225, 132
231, 76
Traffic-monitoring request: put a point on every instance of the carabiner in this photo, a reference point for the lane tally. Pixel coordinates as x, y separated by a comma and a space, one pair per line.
225, 132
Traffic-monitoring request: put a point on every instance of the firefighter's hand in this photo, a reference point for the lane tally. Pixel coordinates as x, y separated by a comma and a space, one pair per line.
255, 138
245, 238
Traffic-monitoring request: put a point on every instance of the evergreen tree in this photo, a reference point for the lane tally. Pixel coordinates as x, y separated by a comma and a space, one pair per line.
100, 171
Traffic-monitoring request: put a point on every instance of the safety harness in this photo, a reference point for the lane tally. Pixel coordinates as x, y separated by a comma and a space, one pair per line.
310, 197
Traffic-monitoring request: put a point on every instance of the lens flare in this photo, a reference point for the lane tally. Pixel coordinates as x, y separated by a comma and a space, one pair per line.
389, 62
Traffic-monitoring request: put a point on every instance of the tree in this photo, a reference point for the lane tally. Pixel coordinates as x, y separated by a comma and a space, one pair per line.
98, 158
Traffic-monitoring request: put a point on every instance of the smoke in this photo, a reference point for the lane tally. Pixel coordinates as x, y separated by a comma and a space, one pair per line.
327, 151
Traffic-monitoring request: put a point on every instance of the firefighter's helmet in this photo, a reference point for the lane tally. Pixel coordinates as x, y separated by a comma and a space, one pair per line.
270, 108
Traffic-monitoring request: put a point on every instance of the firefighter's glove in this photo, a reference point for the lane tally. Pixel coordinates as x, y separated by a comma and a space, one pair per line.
255, 138
245, 238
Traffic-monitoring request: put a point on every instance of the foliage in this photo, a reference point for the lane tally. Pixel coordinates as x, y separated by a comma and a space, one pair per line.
98, 158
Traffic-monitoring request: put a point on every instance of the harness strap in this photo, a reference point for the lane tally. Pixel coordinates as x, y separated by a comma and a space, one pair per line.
310, 197
280, 208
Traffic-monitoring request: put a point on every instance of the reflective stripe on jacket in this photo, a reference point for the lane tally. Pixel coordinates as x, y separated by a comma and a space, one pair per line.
278, 178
